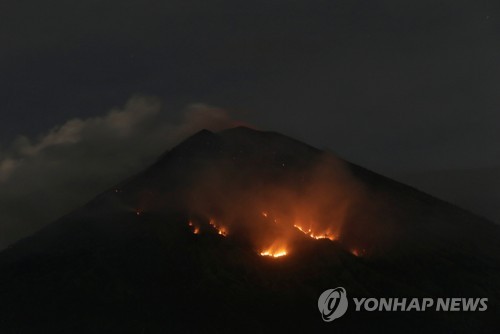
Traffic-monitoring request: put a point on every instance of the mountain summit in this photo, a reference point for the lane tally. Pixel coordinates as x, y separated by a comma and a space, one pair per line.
242, 230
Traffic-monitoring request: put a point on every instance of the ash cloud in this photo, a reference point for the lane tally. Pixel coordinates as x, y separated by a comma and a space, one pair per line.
42, 179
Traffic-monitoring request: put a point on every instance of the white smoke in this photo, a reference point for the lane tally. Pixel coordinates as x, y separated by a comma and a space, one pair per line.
42, 179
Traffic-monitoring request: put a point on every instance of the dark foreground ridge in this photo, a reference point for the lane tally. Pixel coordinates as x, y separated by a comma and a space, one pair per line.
177, 249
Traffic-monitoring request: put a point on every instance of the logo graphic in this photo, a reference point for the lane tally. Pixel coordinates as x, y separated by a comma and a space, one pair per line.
333, 304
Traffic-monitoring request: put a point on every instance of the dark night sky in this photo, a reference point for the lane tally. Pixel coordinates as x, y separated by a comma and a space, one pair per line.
402, 87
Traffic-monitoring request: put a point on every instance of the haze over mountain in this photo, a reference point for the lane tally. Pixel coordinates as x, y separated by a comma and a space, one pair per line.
242, 230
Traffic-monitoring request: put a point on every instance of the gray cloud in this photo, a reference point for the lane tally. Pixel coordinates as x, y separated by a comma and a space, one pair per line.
44, 178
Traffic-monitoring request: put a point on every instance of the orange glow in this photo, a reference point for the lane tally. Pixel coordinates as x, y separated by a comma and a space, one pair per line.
358, 252
195, 228
266, 214
277, 254
302, 230
296, 206
220, 229
324, 235
277, 249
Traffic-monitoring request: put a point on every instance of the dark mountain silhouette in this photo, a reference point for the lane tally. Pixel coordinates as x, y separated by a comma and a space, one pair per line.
477, 190
188, 244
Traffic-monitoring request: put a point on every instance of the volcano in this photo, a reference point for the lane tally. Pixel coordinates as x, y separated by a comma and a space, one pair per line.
241, 231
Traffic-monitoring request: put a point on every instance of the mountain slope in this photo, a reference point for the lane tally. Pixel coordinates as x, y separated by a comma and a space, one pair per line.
477, 190
179, 247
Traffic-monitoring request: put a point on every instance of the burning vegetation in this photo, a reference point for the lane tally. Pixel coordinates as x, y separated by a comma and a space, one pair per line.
277, 249
269, 202
219, 228
278, 211
324, 235
194, 227
278, 253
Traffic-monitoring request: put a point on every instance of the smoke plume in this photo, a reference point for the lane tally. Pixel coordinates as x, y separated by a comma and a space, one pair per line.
43, 178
